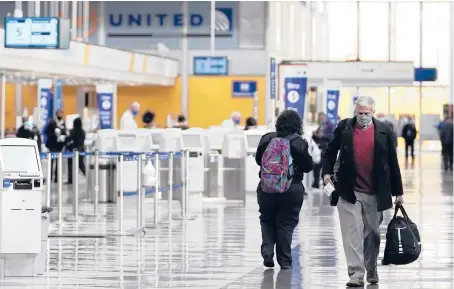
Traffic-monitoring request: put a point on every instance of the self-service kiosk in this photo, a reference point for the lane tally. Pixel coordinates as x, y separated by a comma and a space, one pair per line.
194, 140
253, 137
234, 153
21, 250
106, 141
214, 163
156, 137
171, 140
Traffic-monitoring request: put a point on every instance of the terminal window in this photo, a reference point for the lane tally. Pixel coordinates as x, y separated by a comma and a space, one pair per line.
20, 159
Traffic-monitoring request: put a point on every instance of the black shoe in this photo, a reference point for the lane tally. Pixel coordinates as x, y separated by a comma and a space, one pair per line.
316, 186
268, 261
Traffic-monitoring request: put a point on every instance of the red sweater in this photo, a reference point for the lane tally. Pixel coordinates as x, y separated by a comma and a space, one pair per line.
363, 144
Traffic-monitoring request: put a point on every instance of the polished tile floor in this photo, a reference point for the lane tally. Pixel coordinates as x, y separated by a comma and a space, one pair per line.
220, 247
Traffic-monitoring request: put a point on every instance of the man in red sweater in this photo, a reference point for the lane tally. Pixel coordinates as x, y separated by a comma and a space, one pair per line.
368, 176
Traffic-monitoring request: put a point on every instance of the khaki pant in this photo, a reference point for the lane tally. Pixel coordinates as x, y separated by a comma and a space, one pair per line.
360, 227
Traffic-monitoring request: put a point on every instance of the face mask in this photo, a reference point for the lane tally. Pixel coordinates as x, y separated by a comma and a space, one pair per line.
364, 120
59, 117
237, 121
134, 113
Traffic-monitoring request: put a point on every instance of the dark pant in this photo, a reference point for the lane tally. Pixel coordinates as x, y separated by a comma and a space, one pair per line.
316, 171
54, 170
70, 168
410, 144
447, 151
279, 215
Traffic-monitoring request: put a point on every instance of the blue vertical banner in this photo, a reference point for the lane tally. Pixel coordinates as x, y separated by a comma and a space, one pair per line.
46, 100
295, 89
58, 91
105, 109
332, 106
273, 78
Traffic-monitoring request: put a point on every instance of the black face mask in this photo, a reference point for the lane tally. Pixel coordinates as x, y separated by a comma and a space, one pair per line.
59, 117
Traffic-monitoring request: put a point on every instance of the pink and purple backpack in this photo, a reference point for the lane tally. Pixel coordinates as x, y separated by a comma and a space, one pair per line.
277, 165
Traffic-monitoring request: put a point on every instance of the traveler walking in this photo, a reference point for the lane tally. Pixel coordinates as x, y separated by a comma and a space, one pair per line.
367, 178
446, 137
409, 134
283, 158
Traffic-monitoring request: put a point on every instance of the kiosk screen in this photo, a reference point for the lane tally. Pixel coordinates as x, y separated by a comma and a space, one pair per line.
19, 159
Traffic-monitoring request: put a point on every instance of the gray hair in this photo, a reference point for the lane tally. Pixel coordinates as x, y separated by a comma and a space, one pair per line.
366, 101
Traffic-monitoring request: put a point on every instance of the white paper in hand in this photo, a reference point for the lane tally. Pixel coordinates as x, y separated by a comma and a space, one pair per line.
328, 189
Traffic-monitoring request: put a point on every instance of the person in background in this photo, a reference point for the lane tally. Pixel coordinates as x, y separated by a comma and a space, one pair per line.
127, 120
279, 213
367, 178
381, 117
251, 123
409, 135
56, 135
322, 142
29, 131
446, 138
76, 141
326, 127
148, 119
233, 122
181, 122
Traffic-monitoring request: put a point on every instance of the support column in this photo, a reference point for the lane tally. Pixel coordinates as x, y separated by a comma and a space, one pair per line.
184, 60
74, 27
309, 34
102, 23
451, 54
3, 112
213, 28
86, 20
18, 99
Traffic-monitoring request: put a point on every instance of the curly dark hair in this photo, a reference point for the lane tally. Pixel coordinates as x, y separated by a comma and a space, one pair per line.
289, 122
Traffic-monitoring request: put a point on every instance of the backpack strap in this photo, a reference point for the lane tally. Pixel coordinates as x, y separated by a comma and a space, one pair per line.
292, 137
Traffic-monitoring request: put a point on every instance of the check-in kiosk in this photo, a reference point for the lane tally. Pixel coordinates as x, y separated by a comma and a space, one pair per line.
253, 137
171, 140
194, 140
214, 162
106, 141
127, 141
156, 137
22, 253
234, 153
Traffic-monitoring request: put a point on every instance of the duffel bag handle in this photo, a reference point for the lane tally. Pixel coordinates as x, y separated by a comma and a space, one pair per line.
401, 208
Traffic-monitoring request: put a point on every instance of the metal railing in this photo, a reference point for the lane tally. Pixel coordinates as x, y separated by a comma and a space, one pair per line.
121, 158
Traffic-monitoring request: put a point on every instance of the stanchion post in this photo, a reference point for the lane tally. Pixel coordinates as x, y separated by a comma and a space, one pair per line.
170, 196
60, 187
186, 181
120, 213
139, 192
156, 192
96, 189
48, 178
89, 178
75, 177
183, 180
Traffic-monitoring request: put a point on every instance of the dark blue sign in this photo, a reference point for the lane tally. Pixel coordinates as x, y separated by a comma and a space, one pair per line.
223, 20
58, 95
295, 94
332, 106
273, 78
244, 88
211, 65
46, 104
32, 32
105, 110
426, 74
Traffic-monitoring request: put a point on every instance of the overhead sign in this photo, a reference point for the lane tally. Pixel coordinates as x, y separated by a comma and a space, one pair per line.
244, 88
211, 65
32, 32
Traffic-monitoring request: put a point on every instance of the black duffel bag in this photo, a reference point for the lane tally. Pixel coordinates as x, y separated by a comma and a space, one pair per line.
403, 243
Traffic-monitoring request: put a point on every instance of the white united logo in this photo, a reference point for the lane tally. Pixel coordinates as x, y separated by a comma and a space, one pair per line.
221, 21
106, 104
293, 96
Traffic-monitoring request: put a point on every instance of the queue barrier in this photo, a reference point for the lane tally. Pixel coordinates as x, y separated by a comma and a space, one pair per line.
121, 157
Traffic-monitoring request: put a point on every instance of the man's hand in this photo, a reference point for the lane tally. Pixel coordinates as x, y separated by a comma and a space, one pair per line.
399, 200
327, 179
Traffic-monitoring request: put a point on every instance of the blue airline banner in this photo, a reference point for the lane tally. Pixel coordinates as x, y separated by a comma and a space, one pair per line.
332, 106
273, 78
244, 88
58, 95
105, 110
46, 105
295, 94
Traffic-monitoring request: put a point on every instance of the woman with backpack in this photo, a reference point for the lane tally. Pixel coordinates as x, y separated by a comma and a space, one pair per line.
283, 158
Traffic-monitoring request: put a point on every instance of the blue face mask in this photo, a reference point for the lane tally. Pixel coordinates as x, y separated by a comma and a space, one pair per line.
237, 121
134, 113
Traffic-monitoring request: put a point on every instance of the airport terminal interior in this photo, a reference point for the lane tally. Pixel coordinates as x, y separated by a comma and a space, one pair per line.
129, 131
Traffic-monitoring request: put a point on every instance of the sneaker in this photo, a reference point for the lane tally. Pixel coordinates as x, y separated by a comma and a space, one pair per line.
355, 282
268, 261
372, 277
